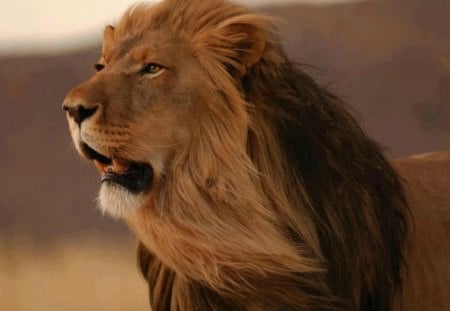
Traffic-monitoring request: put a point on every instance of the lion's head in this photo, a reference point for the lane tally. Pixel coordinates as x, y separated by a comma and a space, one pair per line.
157, 100
248, 184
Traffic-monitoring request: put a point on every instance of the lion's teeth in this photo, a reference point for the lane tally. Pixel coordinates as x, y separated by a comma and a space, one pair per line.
119, 167
116, 166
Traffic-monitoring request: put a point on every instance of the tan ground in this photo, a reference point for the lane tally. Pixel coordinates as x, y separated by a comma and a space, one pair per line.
76, 275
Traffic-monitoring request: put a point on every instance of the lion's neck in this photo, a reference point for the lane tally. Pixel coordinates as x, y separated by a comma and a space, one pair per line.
227, 233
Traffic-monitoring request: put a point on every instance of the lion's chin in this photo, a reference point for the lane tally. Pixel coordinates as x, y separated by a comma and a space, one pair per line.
117, 201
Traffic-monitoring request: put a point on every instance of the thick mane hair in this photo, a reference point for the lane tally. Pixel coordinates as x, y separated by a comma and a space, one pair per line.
278, 200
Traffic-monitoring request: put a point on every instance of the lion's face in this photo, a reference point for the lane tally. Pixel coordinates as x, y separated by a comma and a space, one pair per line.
132, 115
162, 98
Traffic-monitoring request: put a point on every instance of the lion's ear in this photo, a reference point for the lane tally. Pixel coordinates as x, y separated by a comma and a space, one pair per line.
239, 44
249, 46
108, 38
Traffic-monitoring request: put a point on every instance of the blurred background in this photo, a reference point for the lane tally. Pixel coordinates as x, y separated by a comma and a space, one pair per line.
389, 59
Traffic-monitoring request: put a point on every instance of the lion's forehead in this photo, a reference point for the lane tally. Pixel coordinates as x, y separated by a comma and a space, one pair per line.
156, 46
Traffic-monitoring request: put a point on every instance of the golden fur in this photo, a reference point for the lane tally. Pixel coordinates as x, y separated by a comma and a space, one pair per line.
266, 194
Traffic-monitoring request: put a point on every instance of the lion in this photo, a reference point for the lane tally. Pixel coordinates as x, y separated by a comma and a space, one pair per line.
248, 185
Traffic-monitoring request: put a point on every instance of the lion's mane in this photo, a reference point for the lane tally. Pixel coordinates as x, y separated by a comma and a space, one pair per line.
306, 214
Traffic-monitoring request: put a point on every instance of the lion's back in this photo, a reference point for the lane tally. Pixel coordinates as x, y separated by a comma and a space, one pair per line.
427, 184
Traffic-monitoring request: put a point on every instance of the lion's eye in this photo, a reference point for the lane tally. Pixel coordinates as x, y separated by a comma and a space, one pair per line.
99, 66
151, 68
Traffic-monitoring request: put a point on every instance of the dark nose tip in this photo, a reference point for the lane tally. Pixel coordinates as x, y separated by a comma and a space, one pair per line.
79, 113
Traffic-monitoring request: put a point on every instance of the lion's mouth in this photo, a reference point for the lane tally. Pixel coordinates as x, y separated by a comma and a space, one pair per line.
136, 177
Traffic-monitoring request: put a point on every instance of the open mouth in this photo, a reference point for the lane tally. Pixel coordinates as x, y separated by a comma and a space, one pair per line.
136, 177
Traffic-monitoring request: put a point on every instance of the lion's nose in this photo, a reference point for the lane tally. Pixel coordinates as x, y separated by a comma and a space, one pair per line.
78, 112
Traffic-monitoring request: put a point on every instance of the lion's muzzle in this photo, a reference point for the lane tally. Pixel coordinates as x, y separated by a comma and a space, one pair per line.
102, 142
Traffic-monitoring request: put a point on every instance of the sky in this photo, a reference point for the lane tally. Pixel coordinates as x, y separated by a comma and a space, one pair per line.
28, 26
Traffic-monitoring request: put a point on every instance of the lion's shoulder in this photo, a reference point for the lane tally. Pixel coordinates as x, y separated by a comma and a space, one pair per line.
427, 171
426, 180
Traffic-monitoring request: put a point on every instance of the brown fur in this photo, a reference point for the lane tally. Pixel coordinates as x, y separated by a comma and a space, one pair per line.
267, 194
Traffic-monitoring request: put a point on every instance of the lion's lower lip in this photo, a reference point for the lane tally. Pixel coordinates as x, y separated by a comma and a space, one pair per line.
138, 177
